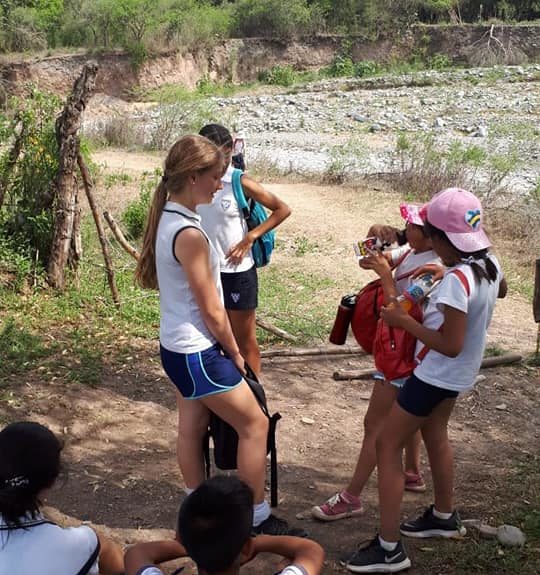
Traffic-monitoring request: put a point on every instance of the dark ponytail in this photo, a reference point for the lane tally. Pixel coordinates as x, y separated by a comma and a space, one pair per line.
489, 272
29, 463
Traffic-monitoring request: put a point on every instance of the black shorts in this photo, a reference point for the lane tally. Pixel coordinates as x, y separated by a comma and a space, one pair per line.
240, 289
420, 398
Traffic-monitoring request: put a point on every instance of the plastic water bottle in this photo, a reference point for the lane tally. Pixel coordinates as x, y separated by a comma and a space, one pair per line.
416, 292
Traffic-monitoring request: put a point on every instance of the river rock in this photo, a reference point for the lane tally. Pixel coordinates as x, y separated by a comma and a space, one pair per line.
510, 536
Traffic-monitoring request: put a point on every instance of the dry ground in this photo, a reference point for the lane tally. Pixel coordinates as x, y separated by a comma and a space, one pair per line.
120, 435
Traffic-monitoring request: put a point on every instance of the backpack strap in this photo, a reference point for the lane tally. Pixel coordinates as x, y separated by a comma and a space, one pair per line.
273, 459
465, 283
400, 260
238, 192
91, 560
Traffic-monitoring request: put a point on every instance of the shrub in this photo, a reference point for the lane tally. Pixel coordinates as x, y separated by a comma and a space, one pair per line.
366, 68
134, 216
278, 76
275, 18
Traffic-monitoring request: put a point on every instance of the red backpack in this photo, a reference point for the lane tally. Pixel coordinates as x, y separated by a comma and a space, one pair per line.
367, 309
393, 348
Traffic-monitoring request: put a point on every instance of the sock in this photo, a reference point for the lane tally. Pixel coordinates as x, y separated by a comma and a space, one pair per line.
261, 512
441, 515
188, 490
349, 497
387, 545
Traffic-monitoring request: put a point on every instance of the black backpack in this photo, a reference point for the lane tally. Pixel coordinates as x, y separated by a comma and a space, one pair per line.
225, 438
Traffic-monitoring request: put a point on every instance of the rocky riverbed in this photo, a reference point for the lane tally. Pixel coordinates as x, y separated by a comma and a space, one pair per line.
352, 125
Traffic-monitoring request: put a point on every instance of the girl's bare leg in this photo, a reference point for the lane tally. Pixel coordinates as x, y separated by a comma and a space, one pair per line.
240, 409
441, 458
399, 427
380, 403
244, 326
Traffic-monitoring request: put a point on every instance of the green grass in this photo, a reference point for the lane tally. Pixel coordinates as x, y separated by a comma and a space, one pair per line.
520, 507
295, 301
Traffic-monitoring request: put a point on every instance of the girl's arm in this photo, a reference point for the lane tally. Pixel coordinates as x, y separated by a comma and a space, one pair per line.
302, 552
378, 262
448, 340
191, 250
152, 553
279, 212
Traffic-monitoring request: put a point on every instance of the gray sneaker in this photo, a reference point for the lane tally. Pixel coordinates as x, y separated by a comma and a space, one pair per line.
427, 525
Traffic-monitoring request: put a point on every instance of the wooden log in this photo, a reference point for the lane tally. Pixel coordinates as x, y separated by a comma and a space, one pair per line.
505, 359
345, 375
121, 239
320, 350
67, 127
276, 330
88, 188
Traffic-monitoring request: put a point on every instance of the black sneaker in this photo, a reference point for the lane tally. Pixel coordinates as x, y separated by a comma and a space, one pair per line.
273, 525
427, 525
372, 558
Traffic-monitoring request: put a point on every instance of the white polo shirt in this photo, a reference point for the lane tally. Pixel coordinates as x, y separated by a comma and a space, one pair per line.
40, 547
225, 225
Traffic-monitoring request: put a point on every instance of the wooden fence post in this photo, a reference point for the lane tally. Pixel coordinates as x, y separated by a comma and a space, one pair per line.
67, 127
536, 303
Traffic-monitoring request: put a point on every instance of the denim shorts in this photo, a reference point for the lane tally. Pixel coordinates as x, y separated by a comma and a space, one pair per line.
420, 398
240, 289
201, 373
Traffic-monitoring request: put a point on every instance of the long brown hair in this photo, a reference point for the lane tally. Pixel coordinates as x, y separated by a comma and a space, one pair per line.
188, 155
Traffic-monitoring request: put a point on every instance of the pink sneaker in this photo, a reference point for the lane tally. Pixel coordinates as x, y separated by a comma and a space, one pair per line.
414, 482
339, 506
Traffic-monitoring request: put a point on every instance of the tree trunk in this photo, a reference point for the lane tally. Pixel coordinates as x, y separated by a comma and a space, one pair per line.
67, 126
13, 156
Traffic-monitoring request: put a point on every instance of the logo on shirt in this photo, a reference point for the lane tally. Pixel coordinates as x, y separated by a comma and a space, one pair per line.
225, 204
235, 297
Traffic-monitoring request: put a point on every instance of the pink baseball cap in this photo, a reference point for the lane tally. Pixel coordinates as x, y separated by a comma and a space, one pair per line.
411, 214
458, 213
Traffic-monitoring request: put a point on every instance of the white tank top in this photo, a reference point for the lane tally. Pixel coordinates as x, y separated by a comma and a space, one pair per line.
225, 225
182, 328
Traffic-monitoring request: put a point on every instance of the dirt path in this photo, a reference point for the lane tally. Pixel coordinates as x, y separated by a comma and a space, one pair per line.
120, 436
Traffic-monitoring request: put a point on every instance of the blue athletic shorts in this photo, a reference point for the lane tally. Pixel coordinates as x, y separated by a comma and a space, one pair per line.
420, 398
240, 289
202, 373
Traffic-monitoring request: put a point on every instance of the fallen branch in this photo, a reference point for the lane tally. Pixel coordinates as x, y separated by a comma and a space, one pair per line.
263, 324
506, 359
117, 232
88, 186
320, 350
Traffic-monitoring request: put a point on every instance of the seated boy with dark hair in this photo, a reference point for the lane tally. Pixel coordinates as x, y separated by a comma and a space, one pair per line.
214, 529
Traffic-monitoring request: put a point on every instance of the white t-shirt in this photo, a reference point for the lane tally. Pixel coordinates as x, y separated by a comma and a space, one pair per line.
412, 261
289, 570
182, 328
225, 225
459, 373
42, 548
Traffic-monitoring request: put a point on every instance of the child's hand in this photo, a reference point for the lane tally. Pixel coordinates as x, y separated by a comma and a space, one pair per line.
436, 270
377, 262
238, 252
394, 315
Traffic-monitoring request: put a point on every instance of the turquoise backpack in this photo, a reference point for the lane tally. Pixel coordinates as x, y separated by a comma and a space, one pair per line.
254, 214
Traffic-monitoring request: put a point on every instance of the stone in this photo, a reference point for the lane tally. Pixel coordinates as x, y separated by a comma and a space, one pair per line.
439, 123
481, 132
510, 536
307, 420
375, 128
501, 407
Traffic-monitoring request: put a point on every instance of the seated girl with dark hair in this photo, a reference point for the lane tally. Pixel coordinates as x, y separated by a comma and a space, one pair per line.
30, 463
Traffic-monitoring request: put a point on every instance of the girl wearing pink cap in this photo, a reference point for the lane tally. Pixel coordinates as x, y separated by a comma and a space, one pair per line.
404, 262
451, 343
